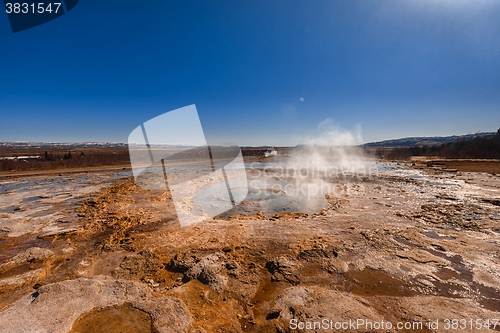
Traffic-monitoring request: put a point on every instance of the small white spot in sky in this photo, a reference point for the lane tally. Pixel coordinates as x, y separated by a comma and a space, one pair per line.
301, 99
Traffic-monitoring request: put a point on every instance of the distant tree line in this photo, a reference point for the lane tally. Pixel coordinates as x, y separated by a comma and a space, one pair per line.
50, 161
479, 148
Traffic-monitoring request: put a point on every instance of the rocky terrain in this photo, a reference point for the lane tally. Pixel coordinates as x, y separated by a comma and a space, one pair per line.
96, 253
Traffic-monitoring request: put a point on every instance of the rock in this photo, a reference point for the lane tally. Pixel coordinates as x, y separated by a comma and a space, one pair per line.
55, 307
289, 215
437, 308
313, 304
32, 259
24, 278
31, 255
182, 262
232, 265
206, 271
283, 269
58, 232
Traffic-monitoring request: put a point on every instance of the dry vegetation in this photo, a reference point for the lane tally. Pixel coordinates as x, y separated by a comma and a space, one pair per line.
478, 148
52, 159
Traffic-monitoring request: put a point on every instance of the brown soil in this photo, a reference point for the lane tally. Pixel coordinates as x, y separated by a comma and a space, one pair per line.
55, 171
488, 166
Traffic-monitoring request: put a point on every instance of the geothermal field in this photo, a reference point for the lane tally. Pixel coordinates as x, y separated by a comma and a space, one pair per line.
317, 245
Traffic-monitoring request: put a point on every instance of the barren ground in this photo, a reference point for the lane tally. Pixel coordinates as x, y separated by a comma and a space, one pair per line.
95, 253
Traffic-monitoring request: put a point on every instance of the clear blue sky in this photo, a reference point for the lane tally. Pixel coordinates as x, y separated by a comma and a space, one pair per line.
395, 68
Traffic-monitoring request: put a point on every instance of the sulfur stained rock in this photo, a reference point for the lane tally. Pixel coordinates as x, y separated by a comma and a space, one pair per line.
316, 304
55, 307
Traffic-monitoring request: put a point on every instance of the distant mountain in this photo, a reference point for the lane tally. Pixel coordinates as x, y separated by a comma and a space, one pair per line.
66, 145
426, 141
403, 142
79, 145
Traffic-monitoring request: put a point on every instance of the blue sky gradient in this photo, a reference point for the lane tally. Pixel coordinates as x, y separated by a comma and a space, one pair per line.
394, 68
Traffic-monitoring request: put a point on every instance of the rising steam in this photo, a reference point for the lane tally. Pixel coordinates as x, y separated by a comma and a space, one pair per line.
331, 148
